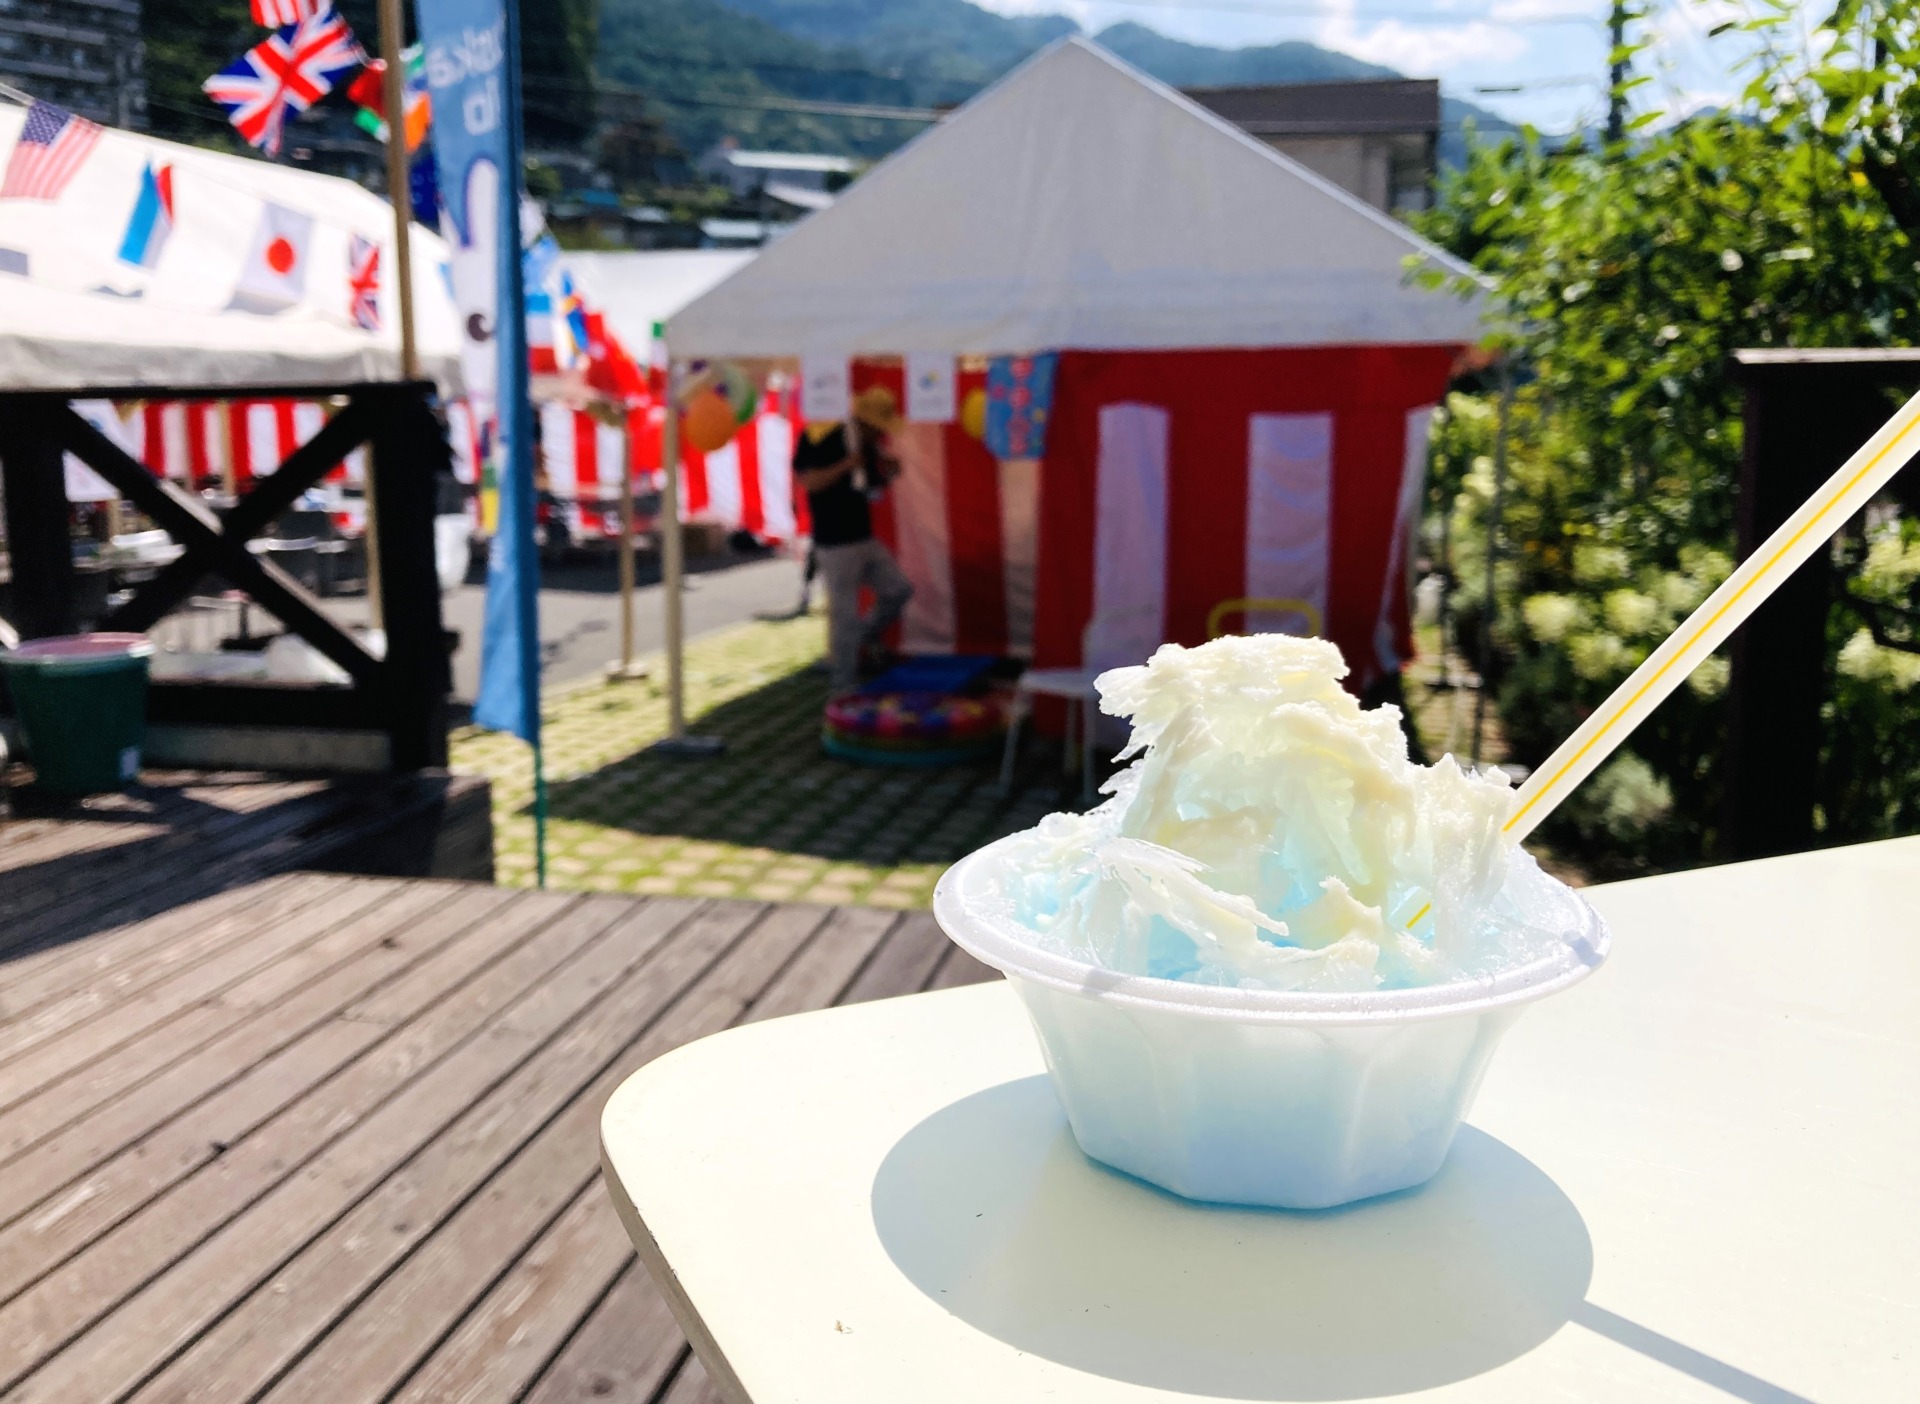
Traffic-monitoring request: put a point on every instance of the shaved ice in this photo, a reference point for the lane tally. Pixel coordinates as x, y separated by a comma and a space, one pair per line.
1273, 834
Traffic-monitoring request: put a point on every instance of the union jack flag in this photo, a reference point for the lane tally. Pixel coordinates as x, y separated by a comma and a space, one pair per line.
51, 147
283, 75
363, 283
275, 13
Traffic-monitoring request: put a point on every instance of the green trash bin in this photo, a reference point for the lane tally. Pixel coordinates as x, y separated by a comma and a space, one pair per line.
82, 704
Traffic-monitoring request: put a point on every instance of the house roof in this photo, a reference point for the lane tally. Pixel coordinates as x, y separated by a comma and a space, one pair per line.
1368, 106
790, 161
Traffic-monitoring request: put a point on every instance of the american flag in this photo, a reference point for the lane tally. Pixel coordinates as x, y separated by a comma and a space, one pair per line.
51, 147
363, 283
286, 74
275, 13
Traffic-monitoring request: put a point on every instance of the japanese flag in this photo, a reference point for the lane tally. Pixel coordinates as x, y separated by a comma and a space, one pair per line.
274, 277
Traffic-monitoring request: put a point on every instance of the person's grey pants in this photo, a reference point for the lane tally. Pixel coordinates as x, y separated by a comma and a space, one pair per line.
846, 569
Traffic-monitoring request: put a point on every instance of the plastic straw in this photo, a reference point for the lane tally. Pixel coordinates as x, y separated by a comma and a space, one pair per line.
1757, 577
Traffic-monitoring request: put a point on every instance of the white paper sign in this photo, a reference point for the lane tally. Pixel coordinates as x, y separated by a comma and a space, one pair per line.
826, 389
930, 393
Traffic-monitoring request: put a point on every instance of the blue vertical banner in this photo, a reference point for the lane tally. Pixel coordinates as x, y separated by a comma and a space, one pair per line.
473, 73
472, 67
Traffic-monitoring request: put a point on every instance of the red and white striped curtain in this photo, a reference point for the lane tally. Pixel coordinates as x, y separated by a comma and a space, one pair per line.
1173, 482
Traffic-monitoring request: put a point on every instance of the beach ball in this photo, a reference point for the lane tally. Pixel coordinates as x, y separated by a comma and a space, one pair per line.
742, 395
973, 413
708, 421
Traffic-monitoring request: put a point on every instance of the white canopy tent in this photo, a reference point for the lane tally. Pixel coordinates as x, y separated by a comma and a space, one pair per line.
72, 315
637, 291
1076, 205
1079, 204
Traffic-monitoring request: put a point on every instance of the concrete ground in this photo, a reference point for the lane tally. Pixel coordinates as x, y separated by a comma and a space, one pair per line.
580, 610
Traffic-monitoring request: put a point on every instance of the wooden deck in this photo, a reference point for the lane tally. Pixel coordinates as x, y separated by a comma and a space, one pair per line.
71, 868
336, 1138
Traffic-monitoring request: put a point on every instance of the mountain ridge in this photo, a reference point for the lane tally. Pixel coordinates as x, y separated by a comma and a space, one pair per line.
693, 58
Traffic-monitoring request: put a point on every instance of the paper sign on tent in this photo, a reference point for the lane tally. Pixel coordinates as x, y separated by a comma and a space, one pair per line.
274, 277
826, 389
930, 392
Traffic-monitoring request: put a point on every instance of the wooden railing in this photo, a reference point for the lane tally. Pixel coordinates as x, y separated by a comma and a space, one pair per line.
398, 701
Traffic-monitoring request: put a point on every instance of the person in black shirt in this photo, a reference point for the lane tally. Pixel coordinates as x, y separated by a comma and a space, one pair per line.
840, 466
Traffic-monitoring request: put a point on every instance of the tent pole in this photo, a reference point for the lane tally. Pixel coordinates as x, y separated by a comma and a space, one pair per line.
672, 570
399, 191
626, 668
400, 197
672, 553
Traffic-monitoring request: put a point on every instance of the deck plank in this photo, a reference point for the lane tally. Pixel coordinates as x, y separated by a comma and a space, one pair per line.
385, 1337
147, 1141
43, 974
75, 1047
904, 963
217, 1036
641, 972
501, 1346
208, 1237
958, 968
625, 1349
61, 996
336, 1139
845, 940
98, 891
691, 1385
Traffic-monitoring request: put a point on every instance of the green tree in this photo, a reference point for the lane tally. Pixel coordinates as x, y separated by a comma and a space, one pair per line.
1629, 274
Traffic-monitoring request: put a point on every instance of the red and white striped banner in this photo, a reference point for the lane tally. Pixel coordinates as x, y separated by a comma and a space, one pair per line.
748, 484
208, 444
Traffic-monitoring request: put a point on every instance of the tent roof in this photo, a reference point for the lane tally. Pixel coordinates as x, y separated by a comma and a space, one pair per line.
1077, 203
80, 318
635, 290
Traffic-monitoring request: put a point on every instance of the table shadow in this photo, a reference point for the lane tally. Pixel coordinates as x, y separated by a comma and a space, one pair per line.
990, 1209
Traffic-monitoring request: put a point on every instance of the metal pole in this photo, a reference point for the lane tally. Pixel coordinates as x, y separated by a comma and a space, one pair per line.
672, 561
1493, 547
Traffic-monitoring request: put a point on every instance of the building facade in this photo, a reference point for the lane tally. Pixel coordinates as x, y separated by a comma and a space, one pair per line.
85, 55
1376, 138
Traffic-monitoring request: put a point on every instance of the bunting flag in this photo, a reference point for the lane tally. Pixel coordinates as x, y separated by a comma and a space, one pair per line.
569, 325
369, 93
151, 223
52, 146
363, 283
275, 14
274, 277
285, 75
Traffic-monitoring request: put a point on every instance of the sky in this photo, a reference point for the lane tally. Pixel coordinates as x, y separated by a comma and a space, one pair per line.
1554, 51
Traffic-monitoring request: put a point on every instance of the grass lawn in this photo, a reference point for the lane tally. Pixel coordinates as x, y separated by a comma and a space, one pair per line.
773, 818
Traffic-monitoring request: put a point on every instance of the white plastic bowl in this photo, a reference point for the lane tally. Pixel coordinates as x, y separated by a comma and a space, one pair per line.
1235, 1096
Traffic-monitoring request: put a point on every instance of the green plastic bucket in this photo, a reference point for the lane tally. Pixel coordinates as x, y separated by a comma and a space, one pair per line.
82, 704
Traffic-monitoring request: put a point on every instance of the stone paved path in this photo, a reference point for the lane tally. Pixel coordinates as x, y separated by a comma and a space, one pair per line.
772, 819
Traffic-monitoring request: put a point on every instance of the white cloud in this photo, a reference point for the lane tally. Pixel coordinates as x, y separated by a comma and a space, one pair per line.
1507, 11
1425, 49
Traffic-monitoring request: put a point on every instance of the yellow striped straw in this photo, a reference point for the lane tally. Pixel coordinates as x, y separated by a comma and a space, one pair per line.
1757, 577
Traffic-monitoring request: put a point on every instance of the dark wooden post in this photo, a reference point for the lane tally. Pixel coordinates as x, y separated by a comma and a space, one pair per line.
409, 454
39, 548
1806, 413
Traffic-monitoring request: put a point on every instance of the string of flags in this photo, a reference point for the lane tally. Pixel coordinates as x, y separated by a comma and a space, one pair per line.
309, 55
